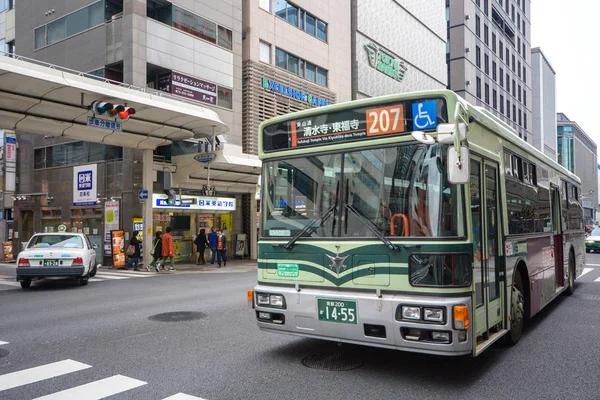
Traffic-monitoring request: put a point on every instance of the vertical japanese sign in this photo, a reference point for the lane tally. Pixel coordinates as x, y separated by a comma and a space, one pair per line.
111, 223
118, 248
11, 149
85, 189
10, 154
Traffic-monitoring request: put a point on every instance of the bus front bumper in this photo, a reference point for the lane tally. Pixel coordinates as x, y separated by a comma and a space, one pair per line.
378, 321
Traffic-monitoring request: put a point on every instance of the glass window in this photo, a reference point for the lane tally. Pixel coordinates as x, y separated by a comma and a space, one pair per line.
301, 70
57, 30
224, 38
281, 58
225, 97
486, 64
265, 5
265, 52
487, 93
194, 24
160, 10
302, 19
40, 37
321, 76
57, 241
311, 25
39, 158
501, 49
501, 104
311, 72
486, 35
322, 30
114, 7
78, 21
478, 56
478, 87
280, 7
96, 14
292, 65
477, 26
292, 14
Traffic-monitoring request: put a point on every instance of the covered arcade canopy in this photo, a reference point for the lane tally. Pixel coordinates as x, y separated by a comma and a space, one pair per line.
44, 99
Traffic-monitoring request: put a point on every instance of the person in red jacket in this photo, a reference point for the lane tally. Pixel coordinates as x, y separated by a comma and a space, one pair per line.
168, 252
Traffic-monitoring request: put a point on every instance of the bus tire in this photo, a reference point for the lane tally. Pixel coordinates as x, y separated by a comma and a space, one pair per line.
517, 311
572, 272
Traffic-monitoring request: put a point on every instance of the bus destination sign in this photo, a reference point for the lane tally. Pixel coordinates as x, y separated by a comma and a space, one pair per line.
363, 123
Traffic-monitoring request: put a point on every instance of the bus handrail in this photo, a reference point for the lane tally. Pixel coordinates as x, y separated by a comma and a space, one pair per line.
404, 222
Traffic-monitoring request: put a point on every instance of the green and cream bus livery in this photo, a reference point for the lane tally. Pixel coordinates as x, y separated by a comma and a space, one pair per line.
416, 222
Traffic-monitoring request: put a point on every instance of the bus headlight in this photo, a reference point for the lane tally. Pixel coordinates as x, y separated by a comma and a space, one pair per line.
270, 300
276, 300
413, 313
433, 314
262, 299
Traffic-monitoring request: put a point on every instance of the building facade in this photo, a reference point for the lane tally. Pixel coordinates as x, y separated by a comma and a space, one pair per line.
397, 47
577, 152
191, 49
296, 55
543, 79
489, 58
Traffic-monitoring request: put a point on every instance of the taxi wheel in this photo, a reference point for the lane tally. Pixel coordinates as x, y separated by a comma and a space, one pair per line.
83, 281
25, 284
93, 271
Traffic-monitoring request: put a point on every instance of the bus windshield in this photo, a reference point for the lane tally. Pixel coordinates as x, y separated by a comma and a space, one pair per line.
400, 190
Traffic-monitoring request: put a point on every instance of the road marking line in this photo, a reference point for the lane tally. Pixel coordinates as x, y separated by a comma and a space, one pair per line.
103, 276
10, 283
183, 396
592, 265
31, 375
97, 389
597, 280
127, 275
1, 342
585, 271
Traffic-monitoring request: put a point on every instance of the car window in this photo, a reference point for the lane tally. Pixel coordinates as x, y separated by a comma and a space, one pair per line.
56, 241
87, 239
595, 232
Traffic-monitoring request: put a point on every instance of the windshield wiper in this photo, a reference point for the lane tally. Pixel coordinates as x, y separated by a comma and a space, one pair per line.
372, 227
310, 227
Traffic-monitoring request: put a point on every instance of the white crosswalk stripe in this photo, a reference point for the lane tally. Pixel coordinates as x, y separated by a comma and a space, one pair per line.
31, 375
597, 280
1, 342
95, 390
585, 271
12, 283
100, 277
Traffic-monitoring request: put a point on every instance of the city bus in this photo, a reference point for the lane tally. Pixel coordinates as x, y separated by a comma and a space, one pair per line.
416, 222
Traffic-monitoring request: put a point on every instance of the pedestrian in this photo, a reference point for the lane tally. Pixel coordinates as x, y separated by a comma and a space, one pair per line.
212, 243
157, 251
221, 248
201, 245
168, 252
133, 252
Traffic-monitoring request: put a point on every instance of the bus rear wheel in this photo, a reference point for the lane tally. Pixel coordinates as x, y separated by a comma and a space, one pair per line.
517, 311
571, 287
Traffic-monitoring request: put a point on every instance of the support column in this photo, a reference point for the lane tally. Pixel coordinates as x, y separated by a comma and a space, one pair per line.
148, 179
253, 238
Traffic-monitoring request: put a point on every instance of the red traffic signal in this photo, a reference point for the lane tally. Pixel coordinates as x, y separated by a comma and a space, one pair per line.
113, 110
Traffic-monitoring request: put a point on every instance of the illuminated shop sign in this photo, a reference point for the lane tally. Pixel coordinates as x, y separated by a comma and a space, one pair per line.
293, 93
195, 203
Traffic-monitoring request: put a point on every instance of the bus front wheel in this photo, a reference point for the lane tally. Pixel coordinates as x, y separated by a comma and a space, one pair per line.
517, 311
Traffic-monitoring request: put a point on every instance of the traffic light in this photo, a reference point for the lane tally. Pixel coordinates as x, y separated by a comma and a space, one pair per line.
113, 110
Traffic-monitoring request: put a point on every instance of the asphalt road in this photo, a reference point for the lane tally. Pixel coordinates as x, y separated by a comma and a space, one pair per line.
104, 328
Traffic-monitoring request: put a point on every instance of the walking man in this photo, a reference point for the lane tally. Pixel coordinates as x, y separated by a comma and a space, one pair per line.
157, 251
168, 252
201, 244
221, 248
212, 243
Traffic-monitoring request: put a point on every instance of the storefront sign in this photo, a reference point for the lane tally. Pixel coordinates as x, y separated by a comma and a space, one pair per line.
293, 93
195, 203
118, 248
193, 89
111, 223
587, 204
11, 149
7, 249
385, 62
205, 157
138, 226
85, 189
240, 245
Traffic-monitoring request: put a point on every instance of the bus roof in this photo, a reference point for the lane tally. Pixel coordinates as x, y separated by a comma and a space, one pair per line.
479, 114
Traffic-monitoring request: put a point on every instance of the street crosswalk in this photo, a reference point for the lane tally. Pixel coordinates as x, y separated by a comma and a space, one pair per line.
7, 282
95, 390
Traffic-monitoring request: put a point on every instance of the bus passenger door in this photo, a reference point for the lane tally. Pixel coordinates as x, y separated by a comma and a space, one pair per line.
488, 268
558, 238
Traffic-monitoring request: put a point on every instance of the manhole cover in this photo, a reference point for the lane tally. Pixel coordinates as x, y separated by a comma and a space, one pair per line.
177, 316
3, 353
333, 362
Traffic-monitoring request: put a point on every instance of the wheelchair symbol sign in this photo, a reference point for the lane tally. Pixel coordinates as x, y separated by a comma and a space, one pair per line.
424, 115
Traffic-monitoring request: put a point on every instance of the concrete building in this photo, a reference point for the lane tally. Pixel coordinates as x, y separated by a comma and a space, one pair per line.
397, 46
489, 58
191, 49
296, 55
577, 152
543, 79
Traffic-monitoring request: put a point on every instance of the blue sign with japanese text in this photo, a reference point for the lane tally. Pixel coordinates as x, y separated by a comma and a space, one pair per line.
104, 124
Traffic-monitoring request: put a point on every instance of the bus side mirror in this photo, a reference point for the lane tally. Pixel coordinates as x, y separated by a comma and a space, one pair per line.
458, 166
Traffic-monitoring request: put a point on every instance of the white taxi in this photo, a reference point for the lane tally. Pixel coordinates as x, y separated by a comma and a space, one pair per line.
57, 255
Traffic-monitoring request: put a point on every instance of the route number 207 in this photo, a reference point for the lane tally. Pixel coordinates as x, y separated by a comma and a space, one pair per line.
385, 120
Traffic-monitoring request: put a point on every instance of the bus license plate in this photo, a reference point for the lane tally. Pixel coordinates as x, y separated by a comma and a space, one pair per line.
337, 311
50, 263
